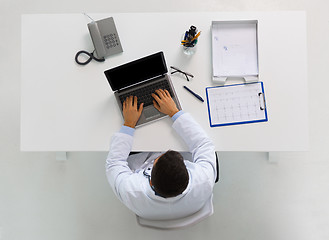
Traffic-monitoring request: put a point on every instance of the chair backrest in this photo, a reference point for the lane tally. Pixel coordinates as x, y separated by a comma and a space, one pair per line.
206, 211
217, 168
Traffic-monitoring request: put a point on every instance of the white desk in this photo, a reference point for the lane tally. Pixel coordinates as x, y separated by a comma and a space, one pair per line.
66, 107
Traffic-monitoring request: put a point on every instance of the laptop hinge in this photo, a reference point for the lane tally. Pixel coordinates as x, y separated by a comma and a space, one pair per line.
136, 84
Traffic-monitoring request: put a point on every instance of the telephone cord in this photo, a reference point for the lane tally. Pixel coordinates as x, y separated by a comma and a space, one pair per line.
91, 57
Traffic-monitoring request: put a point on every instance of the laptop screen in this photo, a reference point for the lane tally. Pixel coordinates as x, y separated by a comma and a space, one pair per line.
136, 71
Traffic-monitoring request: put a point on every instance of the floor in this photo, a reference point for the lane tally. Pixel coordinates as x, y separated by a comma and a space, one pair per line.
43, 198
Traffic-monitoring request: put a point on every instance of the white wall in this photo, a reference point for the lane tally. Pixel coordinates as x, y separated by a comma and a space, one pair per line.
41, 198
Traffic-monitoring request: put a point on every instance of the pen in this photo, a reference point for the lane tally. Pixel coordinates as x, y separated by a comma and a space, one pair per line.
194, 94
196, 36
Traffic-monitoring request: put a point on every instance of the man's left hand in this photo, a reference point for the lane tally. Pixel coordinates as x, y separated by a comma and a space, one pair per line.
131, 113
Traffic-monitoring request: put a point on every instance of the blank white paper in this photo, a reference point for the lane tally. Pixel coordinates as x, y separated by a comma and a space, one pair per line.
234, 47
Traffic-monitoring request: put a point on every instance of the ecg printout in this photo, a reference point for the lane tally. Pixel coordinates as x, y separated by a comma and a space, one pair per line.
236, 104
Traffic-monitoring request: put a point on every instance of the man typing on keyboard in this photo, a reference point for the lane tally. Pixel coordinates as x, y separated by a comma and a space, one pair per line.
166, 186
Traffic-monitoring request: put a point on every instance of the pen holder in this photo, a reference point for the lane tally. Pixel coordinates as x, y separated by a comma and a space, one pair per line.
189, 40
189, 50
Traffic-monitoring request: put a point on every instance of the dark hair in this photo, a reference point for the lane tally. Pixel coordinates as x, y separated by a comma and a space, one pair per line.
169, 175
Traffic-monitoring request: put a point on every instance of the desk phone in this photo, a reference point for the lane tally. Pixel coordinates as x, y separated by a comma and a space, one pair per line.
105, 37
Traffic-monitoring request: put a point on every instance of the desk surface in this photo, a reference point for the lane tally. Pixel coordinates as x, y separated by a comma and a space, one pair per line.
66, 107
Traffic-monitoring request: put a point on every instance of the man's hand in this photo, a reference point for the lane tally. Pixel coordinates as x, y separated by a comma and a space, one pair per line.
130, 112
164, 103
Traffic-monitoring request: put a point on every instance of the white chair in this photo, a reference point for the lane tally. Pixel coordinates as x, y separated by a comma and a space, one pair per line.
206, 211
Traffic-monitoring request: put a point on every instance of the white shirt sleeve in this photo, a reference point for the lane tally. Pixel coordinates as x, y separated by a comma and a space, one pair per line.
199, 144
116, 163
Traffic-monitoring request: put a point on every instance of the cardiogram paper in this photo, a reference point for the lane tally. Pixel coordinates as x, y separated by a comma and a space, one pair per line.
236, 104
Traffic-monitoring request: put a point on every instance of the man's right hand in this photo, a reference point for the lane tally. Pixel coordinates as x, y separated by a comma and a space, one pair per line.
164, 103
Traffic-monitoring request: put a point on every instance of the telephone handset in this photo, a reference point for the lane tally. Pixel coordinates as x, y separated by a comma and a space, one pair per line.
105, 38
97, 40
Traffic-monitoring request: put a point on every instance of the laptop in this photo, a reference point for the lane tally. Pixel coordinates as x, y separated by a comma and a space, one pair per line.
141, 78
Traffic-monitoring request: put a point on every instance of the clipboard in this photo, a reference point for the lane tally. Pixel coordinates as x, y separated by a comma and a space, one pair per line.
236, 104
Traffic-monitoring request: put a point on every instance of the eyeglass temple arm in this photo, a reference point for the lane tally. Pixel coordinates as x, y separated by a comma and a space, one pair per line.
185, 73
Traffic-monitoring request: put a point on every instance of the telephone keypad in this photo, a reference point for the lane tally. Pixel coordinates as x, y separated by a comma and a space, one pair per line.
111, 40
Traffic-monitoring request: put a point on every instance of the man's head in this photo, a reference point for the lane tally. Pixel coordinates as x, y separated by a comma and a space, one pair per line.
169, 175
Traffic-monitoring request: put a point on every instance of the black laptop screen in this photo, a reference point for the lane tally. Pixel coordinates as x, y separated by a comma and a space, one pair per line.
136, 71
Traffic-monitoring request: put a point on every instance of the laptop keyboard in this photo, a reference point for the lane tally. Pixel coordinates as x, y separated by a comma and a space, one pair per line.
144, 94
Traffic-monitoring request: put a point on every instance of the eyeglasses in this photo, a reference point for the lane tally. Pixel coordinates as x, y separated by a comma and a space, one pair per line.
186, 74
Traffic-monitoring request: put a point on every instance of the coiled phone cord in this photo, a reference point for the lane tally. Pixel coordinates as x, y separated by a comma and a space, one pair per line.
91, 57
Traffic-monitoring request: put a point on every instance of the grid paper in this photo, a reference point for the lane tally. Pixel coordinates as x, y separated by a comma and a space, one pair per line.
236, 104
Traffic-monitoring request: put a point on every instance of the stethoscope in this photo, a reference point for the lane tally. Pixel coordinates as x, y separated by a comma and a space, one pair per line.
147, 174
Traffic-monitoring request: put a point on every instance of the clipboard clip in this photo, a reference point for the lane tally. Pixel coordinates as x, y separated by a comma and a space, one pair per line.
261, 101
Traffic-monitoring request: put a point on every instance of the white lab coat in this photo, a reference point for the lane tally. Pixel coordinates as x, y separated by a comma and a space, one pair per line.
133, 189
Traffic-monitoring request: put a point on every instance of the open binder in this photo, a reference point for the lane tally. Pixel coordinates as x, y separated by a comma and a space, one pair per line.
236, 104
